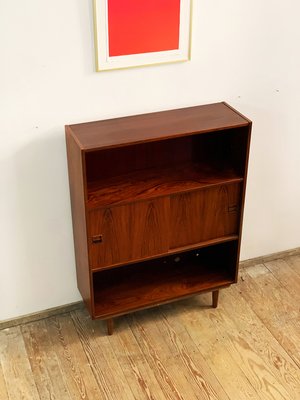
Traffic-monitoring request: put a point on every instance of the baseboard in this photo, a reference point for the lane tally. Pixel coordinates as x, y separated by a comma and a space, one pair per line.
50, 312
79, 304
269, 257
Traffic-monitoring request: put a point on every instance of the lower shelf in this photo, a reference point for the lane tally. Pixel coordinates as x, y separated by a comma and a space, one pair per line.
125, 289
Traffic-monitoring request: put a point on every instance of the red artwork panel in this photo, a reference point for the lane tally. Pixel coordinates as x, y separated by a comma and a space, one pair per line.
142, 26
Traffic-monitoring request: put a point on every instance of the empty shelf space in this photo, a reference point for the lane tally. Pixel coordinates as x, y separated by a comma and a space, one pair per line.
121, 290
155, 182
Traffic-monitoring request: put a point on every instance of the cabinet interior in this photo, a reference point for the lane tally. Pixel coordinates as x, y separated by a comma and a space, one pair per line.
150, 169
139, 285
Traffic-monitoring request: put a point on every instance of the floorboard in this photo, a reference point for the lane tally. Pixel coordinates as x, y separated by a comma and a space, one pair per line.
246, 349
16, 367
44, 362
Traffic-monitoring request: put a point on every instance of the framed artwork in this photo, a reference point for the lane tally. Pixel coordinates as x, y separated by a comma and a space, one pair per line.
131, 33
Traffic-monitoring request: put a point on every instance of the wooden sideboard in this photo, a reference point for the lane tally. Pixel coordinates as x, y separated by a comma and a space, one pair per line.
157, 205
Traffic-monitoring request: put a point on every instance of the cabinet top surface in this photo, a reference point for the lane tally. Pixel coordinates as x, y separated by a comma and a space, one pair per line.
156, 126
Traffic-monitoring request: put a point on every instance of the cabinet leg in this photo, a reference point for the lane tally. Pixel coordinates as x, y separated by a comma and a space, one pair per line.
215, 298
110, 326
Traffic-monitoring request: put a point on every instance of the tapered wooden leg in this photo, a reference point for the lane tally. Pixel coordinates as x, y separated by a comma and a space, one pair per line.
215, 298
110, 326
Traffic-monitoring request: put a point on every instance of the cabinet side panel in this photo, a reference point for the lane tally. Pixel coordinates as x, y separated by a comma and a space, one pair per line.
76, 181
247, 151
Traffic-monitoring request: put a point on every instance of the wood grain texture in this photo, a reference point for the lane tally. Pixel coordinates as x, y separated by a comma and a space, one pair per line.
155, 182
173, 384
288, 277
260, 340
129, 233
204, 214
198, 332
139, 374
16, 366
142, 285
252, 362
261, 374
277, 308
44, 362
202, 380
72, 360
103, 363
78, 195
147, 186
119, 359
246, 349
294, 262
148, 127
3, 389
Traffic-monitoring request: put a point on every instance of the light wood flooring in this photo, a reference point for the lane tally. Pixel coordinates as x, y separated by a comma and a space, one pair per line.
247, 348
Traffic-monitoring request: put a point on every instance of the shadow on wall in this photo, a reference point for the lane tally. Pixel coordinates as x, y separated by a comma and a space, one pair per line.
44, 242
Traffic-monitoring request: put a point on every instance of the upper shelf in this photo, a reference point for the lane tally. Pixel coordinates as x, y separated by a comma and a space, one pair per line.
156, 126
154, 182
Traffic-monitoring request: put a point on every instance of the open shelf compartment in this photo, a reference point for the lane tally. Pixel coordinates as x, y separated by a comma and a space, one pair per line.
155, 182
141, 285
148, 170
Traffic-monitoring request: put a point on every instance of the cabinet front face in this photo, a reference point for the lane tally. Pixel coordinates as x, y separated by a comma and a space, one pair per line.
128, 232
204, 215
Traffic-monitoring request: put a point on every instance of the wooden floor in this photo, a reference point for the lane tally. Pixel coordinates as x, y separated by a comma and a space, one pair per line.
247, 348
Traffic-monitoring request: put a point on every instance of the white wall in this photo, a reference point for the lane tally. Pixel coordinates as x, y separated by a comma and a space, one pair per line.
244, 52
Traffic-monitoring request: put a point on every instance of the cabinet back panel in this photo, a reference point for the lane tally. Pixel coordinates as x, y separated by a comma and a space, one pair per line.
113, 162
223, 149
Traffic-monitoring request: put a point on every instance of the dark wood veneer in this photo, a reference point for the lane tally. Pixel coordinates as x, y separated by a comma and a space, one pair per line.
163, 280
131, 232
155, 182
157, 204
77, 192
118, 132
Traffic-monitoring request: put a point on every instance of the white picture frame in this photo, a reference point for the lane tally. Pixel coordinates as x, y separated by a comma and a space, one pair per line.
104, 61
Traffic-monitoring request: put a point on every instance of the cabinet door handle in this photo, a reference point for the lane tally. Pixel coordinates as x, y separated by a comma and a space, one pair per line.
96, 239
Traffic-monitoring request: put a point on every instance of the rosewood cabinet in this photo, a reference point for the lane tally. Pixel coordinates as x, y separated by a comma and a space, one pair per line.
157, 205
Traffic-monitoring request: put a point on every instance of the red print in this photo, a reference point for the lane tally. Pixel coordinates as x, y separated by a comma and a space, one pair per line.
143, 26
